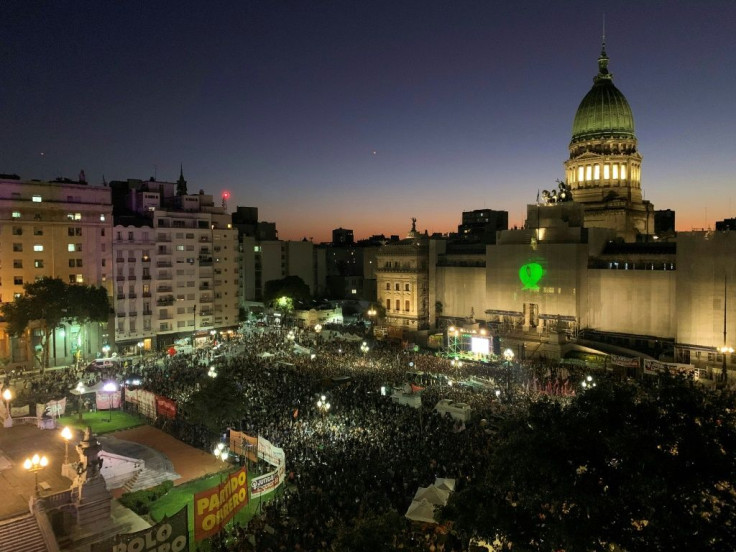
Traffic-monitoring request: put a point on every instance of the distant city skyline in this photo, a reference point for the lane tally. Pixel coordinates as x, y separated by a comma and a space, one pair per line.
363, 115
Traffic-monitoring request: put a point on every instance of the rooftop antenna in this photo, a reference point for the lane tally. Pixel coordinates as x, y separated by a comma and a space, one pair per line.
603, 37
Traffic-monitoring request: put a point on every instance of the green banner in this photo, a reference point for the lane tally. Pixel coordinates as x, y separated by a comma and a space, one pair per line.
170, 534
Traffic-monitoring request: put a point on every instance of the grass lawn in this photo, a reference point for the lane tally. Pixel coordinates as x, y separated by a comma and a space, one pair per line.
177, 497
98, 421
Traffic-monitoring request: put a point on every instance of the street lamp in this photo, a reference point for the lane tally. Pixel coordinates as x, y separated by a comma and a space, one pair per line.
323, 405
291, 336
212, 372
221, 451
456, 363
588, 382
80, 391
364, 348
66, 434
724, 371
110, 387
35, 465
140, 346
7, 397
318, 328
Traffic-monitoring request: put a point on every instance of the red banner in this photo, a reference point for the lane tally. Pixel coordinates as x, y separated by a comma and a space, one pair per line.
215, 507
165, 407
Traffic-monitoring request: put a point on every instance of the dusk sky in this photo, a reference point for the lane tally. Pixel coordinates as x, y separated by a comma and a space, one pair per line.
363, 114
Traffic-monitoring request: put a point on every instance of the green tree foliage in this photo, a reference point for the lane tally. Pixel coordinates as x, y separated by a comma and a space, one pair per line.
51, 301
292, 287
621, 468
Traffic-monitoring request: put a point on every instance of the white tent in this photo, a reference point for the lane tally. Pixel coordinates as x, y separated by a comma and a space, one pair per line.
433, 495
445, 484
421, 510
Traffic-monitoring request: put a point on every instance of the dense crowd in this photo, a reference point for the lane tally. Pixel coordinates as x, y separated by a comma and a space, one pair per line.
367, 455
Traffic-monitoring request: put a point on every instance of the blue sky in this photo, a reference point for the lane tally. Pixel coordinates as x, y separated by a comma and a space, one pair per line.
364, 114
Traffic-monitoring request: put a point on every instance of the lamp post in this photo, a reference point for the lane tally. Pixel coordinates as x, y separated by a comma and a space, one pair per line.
724, 370
80, 391
35, 465
221, 451
323, 405
140, 346
66, 434
588, 383
110, 387
508, 356
7, 397
212, 372
364, 348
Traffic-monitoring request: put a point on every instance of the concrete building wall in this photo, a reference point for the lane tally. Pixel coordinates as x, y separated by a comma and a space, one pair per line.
640, 302
461, 290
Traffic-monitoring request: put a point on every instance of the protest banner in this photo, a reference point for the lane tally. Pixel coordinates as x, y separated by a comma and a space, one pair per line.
170, 534
216, 506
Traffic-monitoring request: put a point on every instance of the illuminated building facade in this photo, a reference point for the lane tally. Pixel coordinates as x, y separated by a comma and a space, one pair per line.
60, 230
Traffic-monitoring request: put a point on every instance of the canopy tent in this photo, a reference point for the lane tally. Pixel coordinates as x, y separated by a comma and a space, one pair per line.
422, 511
445, 484
433, 495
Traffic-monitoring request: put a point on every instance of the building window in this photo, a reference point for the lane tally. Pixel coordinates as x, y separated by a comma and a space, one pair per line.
596, 172
623, 172
397, 286
388, 304
38, 247
615, 171
17, 247
398, 305
17, 263
606, 171
37, 231
36, 199
388, 286
407, 287
18, 280
130, 236
16, 214
17, 231
588, 173
102, 218
407, 306
38, 263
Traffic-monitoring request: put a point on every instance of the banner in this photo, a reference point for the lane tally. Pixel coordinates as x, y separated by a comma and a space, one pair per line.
267, 483
106, 401
20, 411
653, 367
243, 444
215, 507
170, 534
145, 401
270, 453
55, 408
165, 407
626, 362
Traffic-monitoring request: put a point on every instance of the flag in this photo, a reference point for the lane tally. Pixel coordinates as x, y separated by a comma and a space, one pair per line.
296, 413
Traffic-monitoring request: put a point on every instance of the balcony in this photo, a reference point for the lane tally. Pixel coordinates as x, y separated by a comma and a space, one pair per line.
165, 301
131, 277
147, 313
120, 296
205, 286
205, 299
120, 315
163, 264
131, 259
164, 289
132, 295
146, 277
146, 294
204, 239
133, 313
205, 261
120, 278
119, 260
164, 276
166, 317
146, 259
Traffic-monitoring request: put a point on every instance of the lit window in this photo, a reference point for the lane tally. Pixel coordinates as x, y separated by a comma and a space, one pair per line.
257, 248
581, 175
38, 263
623, 172
102, 218
36, 199
38, 247
77, 216
588, 172
16, 214
354, 291
606, 171
615, 172
596, 172
70, 247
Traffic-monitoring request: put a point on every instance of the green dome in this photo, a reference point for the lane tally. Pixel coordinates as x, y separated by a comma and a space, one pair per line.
604, 111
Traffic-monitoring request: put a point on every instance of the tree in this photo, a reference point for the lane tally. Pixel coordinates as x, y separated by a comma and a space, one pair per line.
621, 468
292, 287
50, 301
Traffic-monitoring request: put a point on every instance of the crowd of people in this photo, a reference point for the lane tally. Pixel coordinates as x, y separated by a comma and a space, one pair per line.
366, 456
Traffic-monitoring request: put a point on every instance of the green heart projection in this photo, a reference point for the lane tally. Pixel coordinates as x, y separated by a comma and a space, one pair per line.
530, 274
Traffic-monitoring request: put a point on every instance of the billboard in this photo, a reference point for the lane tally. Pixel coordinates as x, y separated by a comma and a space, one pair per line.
170, 534
216, 506
165, 407
480, 345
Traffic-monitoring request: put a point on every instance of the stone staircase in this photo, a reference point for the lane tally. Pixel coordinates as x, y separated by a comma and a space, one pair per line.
147, 478
21, 534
